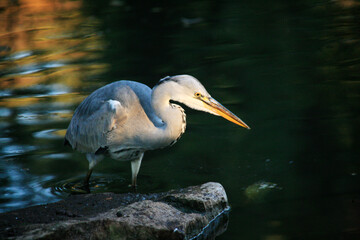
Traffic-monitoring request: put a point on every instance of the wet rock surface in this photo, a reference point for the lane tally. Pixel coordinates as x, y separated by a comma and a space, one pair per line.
197, 212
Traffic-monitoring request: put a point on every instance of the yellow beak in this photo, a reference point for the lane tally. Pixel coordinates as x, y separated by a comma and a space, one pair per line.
215, 107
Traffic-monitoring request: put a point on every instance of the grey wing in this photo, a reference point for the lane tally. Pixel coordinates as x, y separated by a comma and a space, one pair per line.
91, 123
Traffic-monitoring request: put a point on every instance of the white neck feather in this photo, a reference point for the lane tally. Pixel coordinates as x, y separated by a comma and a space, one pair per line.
171, 114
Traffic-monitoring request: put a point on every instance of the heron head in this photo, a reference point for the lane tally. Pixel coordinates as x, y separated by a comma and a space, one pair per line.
189, 91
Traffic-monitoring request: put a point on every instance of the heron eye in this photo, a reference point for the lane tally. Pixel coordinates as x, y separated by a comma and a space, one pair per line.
197, 94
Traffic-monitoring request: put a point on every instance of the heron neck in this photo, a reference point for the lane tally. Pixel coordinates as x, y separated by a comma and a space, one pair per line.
172, 115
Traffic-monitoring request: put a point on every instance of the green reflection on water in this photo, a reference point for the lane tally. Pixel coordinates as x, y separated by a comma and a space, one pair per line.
290, 70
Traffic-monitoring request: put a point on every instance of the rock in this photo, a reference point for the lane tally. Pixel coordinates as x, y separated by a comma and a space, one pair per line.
197, 212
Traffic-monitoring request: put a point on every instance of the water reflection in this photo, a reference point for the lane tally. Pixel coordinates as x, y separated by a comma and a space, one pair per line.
50, 134
12, 150
31, 68
31, 118
48, 48
48, 90
42, 40
4, 112
18, 55
100, 183
21, 189
5, 93
259, 191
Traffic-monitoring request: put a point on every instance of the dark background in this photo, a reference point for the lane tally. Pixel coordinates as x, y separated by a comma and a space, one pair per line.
290, 70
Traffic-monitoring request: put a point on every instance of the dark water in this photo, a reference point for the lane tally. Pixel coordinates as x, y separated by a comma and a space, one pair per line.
289, 69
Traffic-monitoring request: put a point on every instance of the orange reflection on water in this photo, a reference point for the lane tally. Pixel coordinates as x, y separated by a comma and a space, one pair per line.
44, 41
31, 101
23, 21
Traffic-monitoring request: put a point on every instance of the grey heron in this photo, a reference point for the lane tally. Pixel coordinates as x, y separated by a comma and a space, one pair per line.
124, 119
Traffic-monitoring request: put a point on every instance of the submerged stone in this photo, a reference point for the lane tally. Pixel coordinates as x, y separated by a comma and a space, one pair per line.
197, 212
258, 191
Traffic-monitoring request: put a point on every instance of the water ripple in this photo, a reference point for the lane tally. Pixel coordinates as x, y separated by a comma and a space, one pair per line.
22, 189
49, 134
5, 93
32, 118
4, 112
13, 150
5, 140
97, 184
56, 156
50, 90
30, 68
19, 55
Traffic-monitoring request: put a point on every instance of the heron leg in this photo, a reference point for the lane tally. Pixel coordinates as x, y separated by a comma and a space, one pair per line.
135, 167
93, 159
87, 178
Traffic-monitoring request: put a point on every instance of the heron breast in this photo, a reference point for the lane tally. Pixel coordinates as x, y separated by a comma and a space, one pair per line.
125, 154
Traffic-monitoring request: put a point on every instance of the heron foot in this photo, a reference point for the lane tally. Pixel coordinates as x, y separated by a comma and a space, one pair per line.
80, 188
133, 187
84, 187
